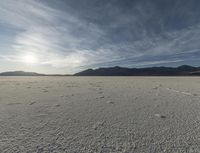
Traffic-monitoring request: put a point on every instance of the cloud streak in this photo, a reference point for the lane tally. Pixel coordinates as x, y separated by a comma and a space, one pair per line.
70, 36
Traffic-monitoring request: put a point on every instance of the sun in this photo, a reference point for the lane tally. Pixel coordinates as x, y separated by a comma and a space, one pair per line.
30, 59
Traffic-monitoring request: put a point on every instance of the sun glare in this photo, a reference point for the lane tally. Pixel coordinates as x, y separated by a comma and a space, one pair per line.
30, 59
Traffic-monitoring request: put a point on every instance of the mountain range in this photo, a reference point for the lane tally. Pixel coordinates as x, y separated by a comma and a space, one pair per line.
184, 70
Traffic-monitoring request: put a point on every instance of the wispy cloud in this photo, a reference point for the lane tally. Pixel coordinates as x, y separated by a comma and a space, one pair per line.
46, 32
74, 35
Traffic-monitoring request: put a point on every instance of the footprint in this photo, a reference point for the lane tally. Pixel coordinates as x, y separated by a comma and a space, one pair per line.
159, 115
40, 115
33, 102
57, 105
98, 124
110, 102
44, 90
13, 103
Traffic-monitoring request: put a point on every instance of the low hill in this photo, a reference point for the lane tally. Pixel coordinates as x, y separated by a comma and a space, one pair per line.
20, 73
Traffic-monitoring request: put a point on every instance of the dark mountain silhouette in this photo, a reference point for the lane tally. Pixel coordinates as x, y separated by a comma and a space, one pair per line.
20, 73
184, 70
151, 71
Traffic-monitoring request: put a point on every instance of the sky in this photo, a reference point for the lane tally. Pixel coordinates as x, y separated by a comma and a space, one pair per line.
68, 36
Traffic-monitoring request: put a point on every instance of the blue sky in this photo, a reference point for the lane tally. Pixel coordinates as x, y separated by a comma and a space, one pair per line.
67, 36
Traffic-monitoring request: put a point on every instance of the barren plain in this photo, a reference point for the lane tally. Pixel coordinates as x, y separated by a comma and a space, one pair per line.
99, 114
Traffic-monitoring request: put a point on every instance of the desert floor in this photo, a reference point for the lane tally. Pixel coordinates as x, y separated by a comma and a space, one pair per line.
99, 114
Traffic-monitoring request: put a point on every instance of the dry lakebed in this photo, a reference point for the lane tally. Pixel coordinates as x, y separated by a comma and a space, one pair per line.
99, 114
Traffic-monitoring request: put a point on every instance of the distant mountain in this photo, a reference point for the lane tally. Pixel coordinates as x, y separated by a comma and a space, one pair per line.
184, 70
20, 73
151, 71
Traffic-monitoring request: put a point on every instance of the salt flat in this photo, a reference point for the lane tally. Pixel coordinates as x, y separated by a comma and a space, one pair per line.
100, 114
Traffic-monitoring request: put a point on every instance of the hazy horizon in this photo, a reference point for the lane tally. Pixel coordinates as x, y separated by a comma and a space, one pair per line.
68, 36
